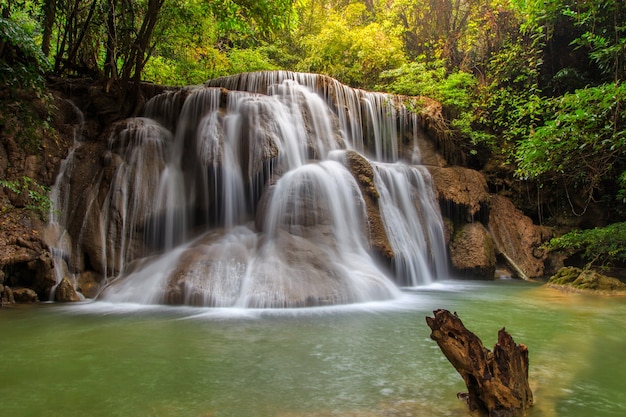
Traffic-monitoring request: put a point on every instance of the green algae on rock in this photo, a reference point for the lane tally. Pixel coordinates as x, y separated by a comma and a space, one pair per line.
577, 280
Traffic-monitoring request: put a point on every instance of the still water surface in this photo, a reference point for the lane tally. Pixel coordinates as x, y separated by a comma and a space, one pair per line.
97, 359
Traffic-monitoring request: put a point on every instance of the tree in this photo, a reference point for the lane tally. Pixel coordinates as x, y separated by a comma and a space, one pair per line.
462, 32
350, 46
583, 146
115, 39
22, 64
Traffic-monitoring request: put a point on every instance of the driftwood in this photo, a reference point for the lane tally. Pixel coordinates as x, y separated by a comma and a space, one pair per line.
497, 382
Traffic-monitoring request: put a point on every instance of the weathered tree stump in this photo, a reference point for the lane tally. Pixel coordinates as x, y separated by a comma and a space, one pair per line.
497, 382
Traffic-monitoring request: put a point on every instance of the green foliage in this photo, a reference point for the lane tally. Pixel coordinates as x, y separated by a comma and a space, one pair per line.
582, 143
198, 40
184, 52
455, 91
37, 199
21, 61
598, 246
247, 60
510, 105
351, 47
604, 26
430, 79
245, 23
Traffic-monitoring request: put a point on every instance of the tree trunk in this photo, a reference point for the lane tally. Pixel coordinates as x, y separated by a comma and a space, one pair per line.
497, 382
49, 11
137, 58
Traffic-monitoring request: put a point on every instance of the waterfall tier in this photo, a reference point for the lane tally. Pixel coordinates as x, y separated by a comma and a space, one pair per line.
271, 189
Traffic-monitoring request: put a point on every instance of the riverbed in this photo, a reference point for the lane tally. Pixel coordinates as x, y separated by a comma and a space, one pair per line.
375, 359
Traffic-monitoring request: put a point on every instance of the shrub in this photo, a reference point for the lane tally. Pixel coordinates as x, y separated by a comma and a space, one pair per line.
598, 246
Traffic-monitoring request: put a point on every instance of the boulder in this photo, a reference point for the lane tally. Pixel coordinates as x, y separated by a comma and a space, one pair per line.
65, 292
25, 295
238, 269
472, 252
516, 238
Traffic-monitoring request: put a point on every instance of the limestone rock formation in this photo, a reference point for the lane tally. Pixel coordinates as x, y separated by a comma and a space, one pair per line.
25, 295
497, 381
6, 295
462, 192
24, 257
516, 238
472, 252
289, 271
363, 172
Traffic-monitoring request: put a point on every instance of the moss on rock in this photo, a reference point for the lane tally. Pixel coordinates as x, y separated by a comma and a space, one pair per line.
578, 280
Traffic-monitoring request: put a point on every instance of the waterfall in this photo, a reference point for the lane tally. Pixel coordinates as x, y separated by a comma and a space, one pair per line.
413, 223
238, 194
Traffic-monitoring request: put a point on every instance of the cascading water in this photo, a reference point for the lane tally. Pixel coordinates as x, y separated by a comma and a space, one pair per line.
412, 221
238, 194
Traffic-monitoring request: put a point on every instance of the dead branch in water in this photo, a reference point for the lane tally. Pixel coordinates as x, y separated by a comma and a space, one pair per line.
497, 381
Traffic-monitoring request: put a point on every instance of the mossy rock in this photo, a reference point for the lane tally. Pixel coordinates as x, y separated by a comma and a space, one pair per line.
565, 275
576, 278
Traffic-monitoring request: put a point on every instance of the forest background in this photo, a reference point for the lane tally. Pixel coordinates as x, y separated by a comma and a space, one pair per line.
532, 90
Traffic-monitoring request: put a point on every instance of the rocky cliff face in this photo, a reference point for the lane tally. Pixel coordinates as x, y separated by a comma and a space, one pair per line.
36, 135
486, 229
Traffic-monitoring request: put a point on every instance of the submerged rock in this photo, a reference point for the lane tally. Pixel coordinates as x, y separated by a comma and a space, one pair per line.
577, 280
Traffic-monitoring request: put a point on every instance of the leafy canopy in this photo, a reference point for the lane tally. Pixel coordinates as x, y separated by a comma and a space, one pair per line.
583, 144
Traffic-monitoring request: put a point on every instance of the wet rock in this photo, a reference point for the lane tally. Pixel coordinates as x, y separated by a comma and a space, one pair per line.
42, 272
65, 292
516, 238
23, 253
25, 295
472, 252
462, 193
6, 296
286, 271
89, 283
363, 172
100, 193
